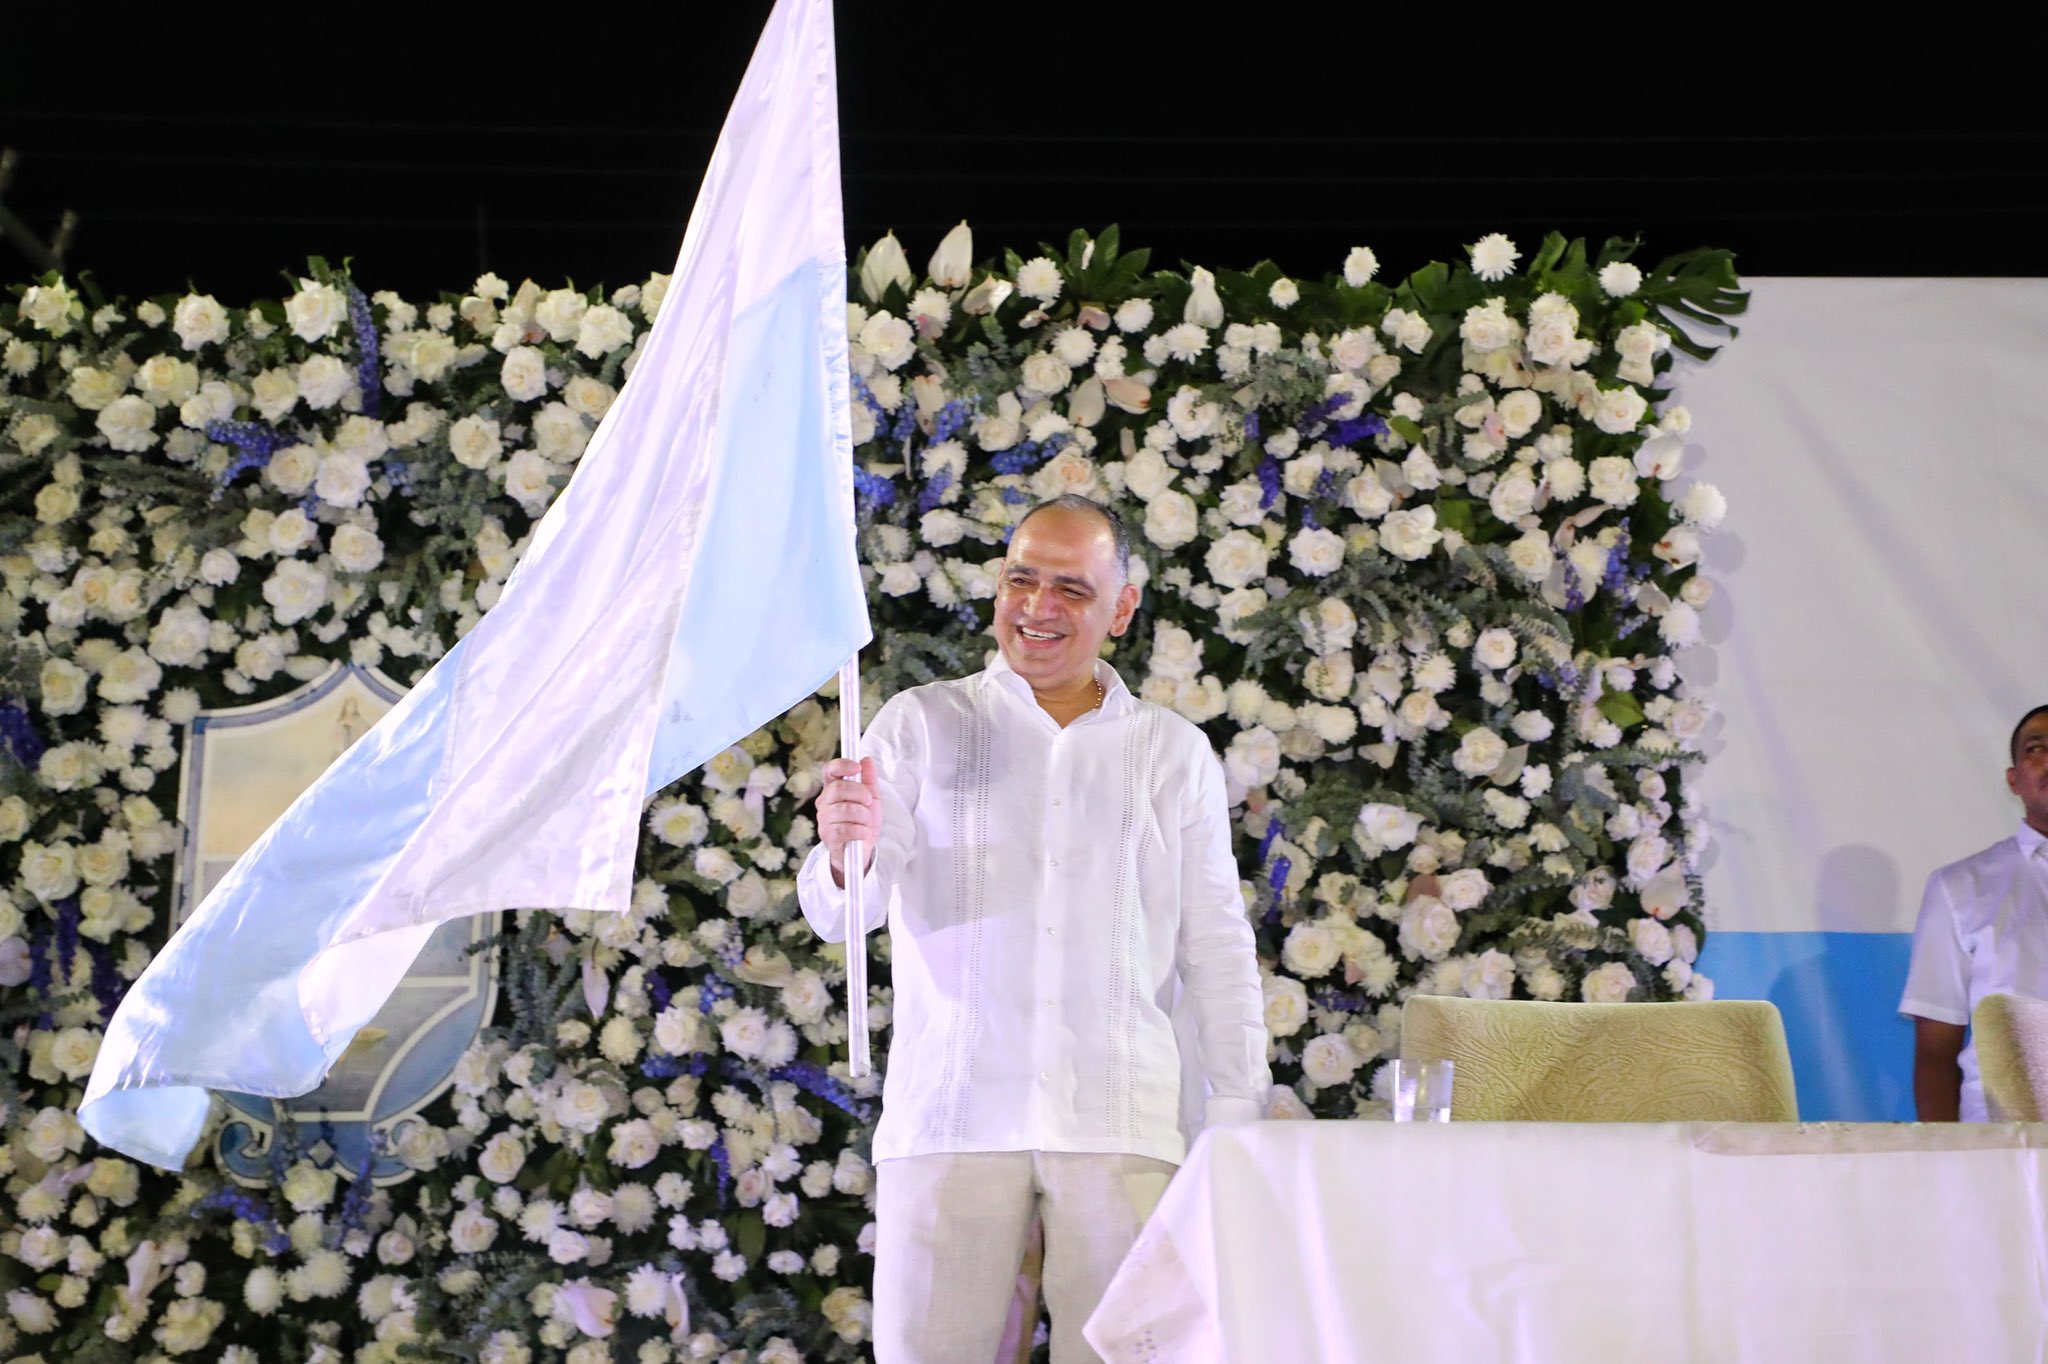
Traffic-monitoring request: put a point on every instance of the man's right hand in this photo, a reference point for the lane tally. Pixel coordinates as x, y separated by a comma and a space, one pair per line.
849, 810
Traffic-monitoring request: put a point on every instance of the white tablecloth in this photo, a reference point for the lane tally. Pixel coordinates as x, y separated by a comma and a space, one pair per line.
1319, 1242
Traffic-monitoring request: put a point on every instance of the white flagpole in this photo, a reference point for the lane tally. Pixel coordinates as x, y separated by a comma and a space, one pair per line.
858, 1060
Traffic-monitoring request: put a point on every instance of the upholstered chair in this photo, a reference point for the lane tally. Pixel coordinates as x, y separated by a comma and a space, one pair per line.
1518, 1060
2011, 1033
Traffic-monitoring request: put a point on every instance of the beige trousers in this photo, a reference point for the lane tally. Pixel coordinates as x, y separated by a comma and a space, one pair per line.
950, 1232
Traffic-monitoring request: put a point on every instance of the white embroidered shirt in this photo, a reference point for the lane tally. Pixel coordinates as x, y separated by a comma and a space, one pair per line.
1057, 899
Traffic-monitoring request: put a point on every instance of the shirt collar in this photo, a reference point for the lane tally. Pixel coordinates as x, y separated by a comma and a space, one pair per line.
1116, 697
2031, 840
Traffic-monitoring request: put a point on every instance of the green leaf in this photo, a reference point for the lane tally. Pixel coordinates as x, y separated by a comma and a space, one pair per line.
1622, 708
1456, 513
1406, 430
750, 1235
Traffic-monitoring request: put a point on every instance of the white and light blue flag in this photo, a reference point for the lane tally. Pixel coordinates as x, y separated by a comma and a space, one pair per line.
696, 578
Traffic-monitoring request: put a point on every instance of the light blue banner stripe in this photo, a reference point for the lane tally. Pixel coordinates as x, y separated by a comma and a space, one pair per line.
1852, 1055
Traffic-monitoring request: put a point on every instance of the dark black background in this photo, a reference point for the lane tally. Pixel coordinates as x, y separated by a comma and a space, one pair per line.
566, 145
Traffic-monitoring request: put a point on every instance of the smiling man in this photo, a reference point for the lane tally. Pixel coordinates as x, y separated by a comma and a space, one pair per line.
1053, 859
1983, 930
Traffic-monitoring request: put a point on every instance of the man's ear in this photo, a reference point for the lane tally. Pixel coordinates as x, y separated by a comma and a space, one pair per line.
1126, 607
2012, 774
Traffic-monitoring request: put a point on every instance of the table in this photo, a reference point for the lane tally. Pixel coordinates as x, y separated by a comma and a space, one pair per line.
1706, 1243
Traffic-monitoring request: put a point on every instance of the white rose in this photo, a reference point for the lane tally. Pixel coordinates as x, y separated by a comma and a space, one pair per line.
292, 470
559, 434
1429, 930
529, 479
51, 307
356, 548
1463, 890
1513, 495
1490, 975
274, 393
1609, 984
524, 374
1171, 519
1316, 552
560, 314
291, 532
1480, 753
473, 1229
63, 685
1519, 413
1495, 648
1531, 556
199, 321
179, 637
307, 1187
474, 442
1238, 558
1286, 1005
324, 381
166, 381
502, 1158
342, 480
1310, 951
1613, 480
603, 330
1389, 827
1652, 940
315, 311
1045, 373
1253, 758
1329, 1060
295, 590
129, 676
1410, 533
1619, 411
1175, 653
128, 423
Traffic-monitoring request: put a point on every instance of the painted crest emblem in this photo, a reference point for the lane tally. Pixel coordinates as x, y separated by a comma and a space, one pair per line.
243, 766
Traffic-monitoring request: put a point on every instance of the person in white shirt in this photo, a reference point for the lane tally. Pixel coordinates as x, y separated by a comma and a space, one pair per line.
1053, 859
1983, 930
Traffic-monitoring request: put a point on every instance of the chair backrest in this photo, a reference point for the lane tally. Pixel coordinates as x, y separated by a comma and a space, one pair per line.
2011, 1036
1524, 1061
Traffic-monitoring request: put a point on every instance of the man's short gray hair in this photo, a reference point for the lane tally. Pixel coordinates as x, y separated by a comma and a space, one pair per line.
1119, 533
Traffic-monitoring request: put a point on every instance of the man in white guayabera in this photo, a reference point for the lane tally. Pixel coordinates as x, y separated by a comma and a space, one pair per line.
1983, 930
1053, 859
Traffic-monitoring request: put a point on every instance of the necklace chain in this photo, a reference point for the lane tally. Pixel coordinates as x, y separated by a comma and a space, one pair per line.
1098, 694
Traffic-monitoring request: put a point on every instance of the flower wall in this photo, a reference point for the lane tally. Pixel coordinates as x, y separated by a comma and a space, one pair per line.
1417, 554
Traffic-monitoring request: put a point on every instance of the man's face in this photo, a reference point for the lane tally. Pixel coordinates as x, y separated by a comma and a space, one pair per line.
2027, 778
1059, 597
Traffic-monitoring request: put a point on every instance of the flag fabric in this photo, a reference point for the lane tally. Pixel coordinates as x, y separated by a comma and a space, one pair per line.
696, 578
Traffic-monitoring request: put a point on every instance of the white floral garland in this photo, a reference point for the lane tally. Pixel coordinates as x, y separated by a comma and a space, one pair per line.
1414, 556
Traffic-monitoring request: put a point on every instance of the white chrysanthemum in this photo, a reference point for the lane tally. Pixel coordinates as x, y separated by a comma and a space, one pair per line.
1619, 279
1494, 257
1039, 278
1360, 266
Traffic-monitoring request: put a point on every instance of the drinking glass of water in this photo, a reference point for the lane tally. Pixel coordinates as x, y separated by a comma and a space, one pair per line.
1421, 1090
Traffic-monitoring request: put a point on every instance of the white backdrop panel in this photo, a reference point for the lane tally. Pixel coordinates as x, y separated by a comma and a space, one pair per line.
1877, 630
1879, 624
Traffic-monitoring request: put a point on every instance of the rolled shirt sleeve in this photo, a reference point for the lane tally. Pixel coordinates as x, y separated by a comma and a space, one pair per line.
1218, 957
1938, 981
